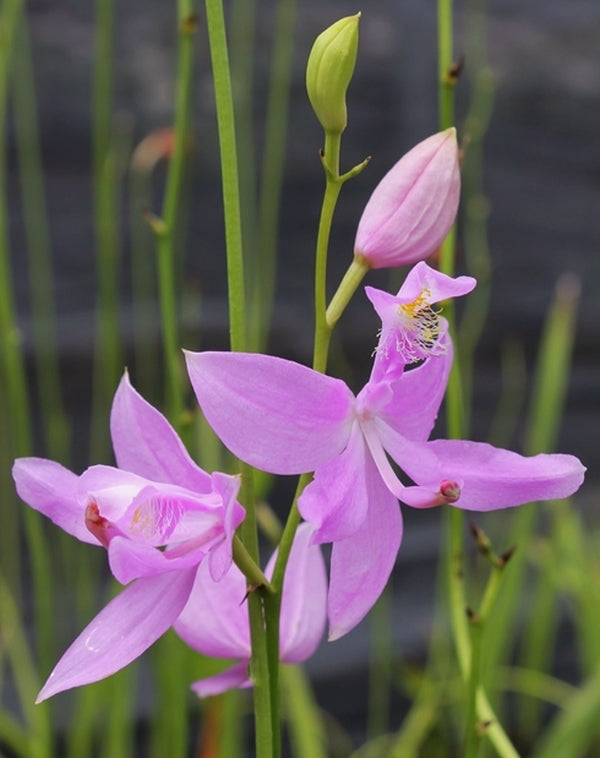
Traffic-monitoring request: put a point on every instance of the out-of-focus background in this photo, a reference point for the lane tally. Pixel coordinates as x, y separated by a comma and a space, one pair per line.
528, 103
537, 68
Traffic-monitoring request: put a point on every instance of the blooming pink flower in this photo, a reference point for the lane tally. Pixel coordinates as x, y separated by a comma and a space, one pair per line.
215, 618
287, 419
413, 207
158, 515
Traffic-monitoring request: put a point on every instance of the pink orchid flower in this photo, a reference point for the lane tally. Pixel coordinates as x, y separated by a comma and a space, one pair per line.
158, 515
215, 618
413, 207
285, 418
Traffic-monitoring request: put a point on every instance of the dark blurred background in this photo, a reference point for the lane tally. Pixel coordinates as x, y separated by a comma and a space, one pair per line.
537, 68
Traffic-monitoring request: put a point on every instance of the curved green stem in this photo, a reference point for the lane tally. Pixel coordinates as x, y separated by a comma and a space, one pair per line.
348, 286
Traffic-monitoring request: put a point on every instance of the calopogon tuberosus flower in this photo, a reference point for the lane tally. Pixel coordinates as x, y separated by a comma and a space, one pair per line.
158, 515
215, 618
285, 418
413, 207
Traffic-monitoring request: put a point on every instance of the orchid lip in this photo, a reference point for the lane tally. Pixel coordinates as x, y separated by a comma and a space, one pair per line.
450, 490
97, 525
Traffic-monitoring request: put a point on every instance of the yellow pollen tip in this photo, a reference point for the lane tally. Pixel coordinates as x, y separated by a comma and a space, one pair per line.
418, 328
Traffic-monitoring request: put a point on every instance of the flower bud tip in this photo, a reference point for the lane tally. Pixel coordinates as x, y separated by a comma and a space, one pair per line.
329, 70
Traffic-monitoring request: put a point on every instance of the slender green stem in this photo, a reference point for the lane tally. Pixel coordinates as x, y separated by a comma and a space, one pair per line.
248, 567
229, 169
330, 160
477, 624
331, 164
107, 358
242, 42
446, 80
56, 427
470, 669
348, 286
265, 741
17, 433
272, 169
165, 232
12, 372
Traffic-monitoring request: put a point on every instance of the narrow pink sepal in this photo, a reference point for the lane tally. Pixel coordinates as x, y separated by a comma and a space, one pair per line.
361, 564
235, 677
415, 399
304, 598
336, 500
52, 489
145, 443
413, 207
275, 414
121, 632
220, 557
215, 618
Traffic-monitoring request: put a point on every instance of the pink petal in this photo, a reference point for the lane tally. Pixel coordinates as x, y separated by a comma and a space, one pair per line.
275, 414
304, 598
336, 501
52, 490
361, 565
215, 618
146, 444
437, 286
412, 405
492, 478
219, 561
235, 677
413, 207
131, 560
121, 632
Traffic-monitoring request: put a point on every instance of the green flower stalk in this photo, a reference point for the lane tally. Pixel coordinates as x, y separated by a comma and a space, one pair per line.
329, 71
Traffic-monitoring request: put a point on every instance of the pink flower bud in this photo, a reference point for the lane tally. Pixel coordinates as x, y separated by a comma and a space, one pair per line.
413, 207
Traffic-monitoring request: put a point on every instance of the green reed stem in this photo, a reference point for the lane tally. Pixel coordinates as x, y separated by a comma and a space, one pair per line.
143, 283
107, 358
330, 158
381, 655
55, 424
272, 171
242, 38
37, 741
305, 725
264, 726
12, 368
165, 231
468, 656
15, 381
230, 175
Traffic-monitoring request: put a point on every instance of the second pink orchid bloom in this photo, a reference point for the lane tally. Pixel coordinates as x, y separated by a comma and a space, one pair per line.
158, 515
285, 418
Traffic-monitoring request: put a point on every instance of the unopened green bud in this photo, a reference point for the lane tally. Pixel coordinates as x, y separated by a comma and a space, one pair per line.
329, 70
